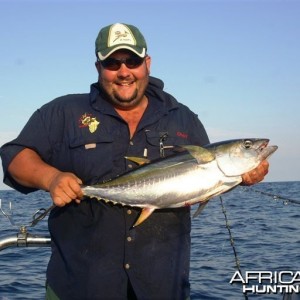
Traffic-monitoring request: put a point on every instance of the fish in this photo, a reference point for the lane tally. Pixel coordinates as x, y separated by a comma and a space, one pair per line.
191, 175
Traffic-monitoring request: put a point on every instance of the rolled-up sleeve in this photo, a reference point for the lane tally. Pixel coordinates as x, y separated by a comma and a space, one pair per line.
34, 136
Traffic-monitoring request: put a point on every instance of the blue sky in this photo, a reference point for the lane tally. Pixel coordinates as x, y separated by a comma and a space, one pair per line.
234, 63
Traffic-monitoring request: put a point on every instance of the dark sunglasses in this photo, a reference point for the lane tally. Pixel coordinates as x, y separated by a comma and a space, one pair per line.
114, 64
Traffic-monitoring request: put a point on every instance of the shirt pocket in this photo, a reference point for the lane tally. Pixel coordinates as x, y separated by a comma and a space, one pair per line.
92, 157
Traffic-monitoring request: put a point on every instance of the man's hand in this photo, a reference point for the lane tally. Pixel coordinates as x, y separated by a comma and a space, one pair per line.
64, 188
256, 175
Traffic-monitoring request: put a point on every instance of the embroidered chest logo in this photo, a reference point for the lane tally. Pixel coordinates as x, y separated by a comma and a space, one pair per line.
87, 120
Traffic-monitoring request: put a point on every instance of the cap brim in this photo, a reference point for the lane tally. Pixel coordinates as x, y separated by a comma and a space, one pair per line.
102, 55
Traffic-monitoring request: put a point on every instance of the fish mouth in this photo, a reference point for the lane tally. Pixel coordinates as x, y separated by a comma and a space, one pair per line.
265, 150
263, 145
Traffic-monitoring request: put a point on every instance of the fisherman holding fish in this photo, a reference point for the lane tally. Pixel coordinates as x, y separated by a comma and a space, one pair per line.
85, 139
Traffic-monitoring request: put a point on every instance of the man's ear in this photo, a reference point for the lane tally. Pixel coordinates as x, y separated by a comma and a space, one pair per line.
148, 63
98, 66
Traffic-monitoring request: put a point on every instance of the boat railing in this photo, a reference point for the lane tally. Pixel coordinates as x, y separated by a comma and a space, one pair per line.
23, 238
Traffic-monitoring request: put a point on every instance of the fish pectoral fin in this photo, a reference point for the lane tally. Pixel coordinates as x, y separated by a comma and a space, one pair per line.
201, 154
199, 209
146, 212
139, 160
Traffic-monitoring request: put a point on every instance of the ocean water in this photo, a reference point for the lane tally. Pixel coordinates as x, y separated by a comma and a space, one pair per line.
265, 233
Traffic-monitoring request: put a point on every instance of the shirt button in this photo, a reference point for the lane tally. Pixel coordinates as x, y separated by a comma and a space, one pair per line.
129, 239
130, 166
131, 143
127, 266
129, 211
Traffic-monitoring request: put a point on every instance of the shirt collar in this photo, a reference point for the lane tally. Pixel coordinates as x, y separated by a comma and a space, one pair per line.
153, 91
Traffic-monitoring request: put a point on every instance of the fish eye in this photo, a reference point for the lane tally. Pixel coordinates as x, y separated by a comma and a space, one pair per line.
248, 144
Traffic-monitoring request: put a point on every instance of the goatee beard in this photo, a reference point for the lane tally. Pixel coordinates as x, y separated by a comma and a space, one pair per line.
124, 100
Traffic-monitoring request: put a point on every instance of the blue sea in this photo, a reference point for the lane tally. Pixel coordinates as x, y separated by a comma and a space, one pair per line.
264, 236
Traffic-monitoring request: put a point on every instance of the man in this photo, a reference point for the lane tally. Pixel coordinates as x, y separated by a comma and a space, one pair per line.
84, 139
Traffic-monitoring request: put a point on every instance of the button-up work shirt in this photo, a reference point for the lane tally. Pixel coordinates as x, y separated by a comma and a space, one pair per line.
95, 249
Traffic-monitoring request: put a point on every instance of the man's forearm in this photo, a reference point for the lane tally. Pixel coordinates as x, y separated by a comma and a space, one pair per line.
28, 169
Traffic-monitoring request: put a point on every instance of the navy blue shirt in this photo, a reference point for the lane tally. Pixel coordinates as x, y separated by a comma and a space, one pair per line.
95, 250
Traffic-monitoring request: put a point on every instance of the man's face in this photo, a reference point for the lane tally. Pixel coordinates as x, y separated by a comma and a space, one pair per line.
125, 87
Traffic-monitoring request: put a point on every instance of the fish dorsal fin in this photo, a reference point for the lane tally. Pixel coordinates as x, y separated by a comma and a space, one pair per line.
138, 160
201, 154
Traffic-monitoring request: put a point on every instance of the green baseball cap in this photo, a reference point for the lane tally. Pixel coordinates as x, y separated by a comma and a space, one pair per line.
120, 36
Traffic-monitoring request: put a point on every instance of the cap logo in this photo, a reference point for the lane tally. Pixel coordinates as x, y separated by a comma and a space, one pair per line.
120, 34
